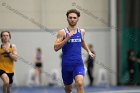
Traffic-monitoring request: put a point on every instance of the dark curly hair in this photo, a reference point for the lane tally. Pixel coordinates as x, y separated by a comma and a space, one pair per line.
73, 11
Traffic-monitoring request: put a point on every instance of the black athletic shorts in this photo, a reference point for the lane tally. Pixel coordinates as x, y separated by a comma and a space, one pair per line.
38, 65
10, 75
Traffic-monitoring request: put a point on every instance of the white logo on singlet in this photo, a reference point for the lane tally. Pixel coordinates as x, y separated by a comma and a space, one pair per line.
75, 40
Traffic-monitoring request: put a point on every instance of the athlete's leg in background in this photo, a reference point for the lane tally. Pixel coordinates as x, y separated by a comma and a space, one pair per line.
6, 85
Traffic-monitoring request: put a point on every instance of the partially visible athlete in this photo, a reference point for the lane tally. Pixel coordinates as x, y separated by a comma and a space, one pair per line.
8, 54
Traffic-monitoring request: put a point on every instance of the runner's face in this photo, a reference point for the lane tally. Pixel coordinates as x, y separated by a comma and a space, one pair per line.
72, 19
5, 37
